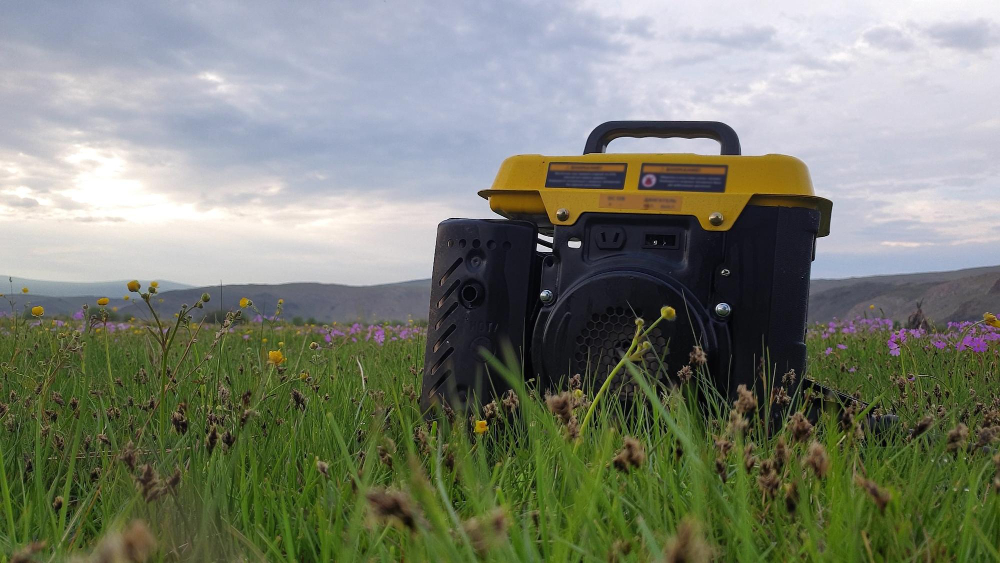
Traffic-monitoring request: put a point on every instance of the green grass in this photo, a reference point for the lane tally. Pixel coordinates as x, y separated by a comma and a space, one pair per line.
523, 490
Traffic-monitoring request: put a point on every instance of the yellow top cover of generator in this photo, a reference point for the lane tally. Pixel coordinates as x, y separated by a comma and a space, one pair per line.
556, 190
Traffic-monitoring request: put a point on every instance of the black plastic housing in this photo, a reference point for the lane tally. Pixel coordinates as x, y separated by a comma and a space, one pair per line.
484, 282
603, 272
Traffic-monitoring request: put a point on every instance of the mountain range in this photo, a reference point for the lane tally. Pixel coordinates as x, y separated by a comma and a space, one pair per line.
944, 296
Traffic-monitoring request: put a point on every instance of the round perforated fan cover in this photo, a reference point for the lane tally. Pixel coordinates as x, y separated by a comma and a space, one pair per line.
589, 329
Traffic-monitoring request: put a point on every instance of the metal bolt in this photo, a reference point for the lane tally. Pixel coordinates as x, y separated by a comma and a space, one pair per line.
723, 309
562, 214
715, 218
724, 272
546, 296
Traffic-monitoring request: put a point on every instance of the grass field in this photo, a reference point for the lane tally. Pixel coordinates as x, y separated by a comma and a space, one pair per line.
265, 441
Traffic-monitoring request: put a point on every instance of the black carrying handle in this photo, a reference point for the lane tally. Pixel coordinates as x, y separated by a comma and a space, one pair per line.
604, 133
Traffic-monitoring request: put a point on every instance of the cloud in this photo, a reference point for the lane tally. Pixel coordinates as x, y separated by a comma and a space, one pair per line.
325, 142
973, 36
889, 37
743, 38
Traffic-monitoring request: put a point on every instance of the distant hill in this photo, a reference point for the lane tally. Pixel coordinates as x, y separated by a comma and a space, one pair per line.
71, 289
946, 296
322, 302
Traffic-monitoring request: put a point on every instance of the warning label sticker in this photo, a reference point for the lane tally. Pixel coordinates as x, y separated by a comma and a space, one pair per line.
608, 176
683, 177
639, 201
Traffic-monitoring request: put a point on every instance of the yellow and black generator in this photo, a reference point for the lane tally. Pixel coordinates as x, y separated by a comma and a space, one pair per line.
590, 243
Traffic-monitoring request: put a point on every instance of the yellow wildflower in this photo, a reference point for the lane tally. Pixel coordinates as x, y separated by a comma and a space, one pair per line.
37, 311
281, 301
481, 427
103, 301
991, 319
244, 303
668, 313
872, 306
126, 298
154, 284
281, 344
24, 290
114, 309
276, 357
133, 286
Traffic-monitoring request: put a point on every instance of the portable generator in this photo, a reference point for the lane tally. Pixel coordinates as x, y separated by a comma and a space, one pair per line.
590, 243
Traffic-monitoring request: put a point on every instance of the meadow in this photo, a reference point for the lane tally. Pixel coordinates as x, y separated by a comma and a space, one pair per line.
161, 438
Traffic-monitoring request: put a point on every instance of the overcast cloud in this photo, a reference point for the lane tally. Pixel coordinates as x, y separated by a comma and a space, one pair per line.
277, 142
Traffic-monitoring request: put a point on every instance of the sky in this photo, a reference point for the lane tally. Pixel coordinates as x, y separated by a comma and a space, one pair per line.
276, 142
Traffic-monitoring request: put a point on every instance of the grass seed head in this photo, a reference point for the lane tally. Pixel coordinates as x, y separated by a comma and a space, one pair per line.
385, 452
394, 506
228, 439
128, 456
175, 480
27, 553
299, 400
923, 425
724, 446
781, 453
224, 394
746, 401
688, 545
987, 436
781, 398
631, 456
575, 382
737, 423
800, 428
619, 550
134, 545
722, 468
212, 439
768, 480
789, 378
817, 459
879, 495
422, 439
791, 497
490, 410
179, 422
749, 459
561, 405
697, 357
486, 531
510, 400
685, 374
957, 438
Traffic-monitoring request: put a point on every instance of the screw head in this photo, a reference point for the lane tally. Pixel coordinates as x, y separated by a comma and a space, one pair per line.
724, 272
723, 310
562, 214
546, 296
715, 218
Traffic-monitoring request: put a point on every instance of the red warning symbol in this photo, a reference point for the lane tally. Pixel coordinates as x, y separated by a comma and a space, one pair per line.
649, 180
